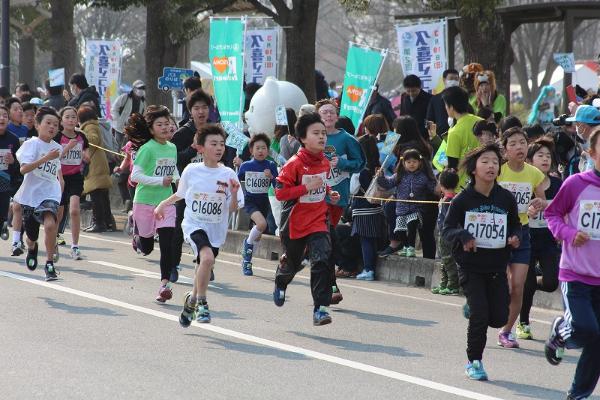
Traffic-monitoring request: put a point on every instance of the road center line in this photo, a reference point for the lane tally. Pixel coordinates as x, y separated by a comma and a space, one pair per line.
440, 387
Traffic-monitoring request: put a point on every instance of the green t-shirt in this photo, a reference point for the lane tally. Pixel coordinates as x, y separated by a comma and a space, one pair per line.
275, 147
499, 105
461, 140
155, 160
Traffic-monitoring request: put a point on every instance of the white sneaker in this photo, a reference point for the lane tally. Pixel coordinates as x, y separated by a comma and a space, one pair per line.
75, 253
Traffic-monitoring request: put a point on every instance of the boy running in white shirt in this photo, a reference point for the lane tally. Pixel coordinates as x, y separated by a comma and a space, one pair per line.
211, 193
41, 190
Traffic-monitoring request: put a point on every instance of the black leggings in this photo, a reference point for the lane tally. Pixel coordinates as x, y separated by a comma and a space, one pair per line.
548, 258
177, 241
409, 236
4, 205
429, 215
166, 253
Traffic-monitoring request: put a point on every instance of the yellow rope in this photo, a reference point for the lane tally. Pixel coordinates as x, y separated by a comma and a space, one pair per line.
107, 150
401, 200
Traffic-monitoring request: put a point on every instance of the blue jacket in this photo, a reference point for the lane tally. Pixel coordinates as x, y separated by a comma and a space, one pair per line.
351, 160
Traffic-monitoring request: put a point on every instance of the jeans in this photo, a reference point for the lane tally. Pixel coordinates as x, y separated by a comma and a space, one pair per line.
369, 252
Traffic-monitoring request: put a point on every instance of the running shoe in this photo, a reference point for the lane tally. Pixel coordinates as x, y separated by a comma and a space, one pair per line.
164, 293
247, 268
388, 251
60, 240
212, 275
247, 251
554, 348
524, 331
31, 258
366, 276
17, 249
466, 311
50, 271
75, 253
135, 244
189, 311
507, 340
321, 316
336, 295
475, 371
56, 255
410, 252
129, 224
278, 296
437, 289
203, 314
4, 231
449, 292
174, 274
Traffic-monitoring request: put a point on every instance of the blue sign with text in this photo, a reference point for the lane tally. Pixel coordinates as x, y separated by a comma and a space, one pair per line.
172, 78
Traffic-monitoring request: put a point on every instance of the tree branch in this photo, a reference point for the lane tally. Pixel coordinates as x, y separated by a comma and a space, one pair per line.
267, 11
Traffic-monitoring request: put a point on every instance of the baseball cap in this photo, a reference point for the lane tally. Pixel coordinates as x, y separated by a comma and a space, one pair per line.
139, 84
587, 115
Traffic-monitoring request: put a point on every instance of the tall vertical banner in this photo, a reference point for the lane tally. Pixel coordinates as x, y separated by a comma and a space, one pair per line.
423, 51
103, 70
261, 54
363, 65
226, 54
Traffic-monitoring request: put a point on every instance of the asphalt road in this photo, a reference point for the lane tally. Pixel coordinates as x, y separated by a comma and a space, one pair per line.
97, 333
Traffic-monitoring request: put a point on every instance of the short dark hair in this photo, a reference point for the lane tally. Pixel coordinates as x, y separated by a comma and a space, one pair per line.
53, 90
259, 137
79, 80
376, 123
23, 87
12, 101
535, 146
196, 96
4, 92
457, 98
448, 72
304, 122
507, 134
43, 111
192, 83
27, 106
509, 122
449, 179
483, 125
86, 113
469, 162
534, 131
411, 81
208, 130
346, 124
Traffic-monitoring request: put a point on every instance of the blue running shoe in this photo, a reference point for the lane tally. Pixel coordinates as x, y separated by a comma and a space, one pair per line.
321, 316
247, 258
203, 314
278, 296
466, 311
475, 371
247, 268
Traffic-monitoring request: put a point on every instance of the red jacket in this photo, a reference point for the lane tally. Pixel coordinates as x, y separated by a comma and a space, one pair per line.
302, 212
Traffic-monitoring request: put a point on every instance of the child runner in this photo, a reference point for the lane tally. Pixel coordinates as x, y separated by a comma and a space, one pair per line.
210, 191
482, 224
9, 170
259, 174
485, 132
41, 189
154, 169
545, 251
523, 181
304, 217
413, 181
15, 126
449, 283
127, 164
74, 155
573, 217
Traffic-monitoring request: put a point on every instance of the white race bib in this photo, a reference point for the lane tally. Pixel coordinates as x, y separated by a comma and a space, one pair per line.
48, 170
196, 159
73, 156
3, 163
315, 195
208, 207
521, 192
589, 218
164, 167
539, 222
488, 229
336, 176
257, 182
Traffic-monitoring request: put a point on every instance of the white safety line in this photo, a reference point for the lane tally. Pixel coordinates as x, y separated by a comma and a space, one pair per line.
440, 387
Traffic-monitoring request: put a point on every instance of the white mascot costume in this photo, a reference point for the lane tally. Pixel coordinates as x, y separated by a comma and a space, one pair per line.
260, 116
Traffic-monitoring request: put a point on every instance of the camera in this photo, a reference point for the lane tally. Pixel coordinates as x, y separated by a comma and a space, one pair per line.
562, 120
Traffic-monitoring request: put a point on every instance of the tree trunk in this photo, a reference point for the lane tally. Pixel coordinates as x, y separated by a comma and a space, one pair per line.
300, 42
160, 50
27, 59
64, 45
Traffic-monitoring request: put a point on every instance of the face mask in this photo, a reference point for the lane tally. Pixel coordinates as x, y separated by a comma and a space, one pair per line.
451, 83
139, 92
450, 122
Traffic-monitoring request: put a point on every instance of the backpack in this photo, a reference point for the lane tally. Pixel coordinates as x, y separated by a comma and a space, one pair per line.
108, 140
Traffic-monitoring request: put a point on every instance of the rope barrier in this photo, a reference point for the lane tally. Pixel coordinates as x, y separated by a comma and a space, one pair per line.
401, 200
107, 150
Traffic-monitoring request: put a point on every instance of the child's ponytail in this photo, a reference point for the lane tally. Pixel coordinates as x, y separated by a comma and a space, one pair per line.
137, 130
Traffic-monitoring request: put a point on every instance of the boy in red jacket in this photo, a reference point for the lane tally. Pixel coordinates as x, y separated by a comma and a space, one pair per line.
304, 216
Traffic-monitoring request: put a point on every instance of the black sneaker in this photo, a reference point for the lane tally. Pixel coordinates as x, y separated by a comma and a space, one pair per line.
554, 347
174, 274
388, 251
50, 270
189, 311
17, 249
31, 259
212, 275
4, 231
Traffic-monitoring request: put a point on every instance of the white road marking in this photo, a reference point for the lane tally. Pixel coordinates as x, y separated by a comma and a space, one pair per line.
440, 387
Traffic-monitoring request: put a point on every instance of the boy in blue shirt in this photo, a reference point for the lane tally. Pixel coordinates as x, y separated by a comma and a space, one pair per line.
259, 174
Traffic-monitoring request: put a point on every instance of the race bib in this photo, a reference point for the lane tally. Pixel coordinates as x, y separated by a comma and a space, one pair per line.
164, 167
3, 163
196, 159
315, 195
73, 156
521, 192
257, 183
48, 170
589, 218
539, 222
208, 207
335, 176
489, 230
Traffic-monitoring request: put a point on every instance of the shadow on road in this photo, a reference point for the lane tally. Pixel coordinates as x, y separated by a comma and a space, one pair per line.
531, 391
71, 309
95, 274
389, 319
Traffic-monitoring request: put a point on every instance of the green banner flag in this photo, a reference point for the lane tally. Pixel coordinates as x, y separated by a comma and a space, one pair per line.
363, 65
226, 54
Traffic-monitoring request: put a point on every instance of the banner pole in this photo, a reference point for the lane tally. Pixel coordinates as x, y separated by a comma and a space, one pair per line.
240, 122
384, 53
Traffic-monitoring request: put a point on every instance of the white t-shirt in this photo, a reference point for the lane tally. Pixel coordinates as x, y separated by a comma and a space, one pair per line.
207, 195
42, 183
